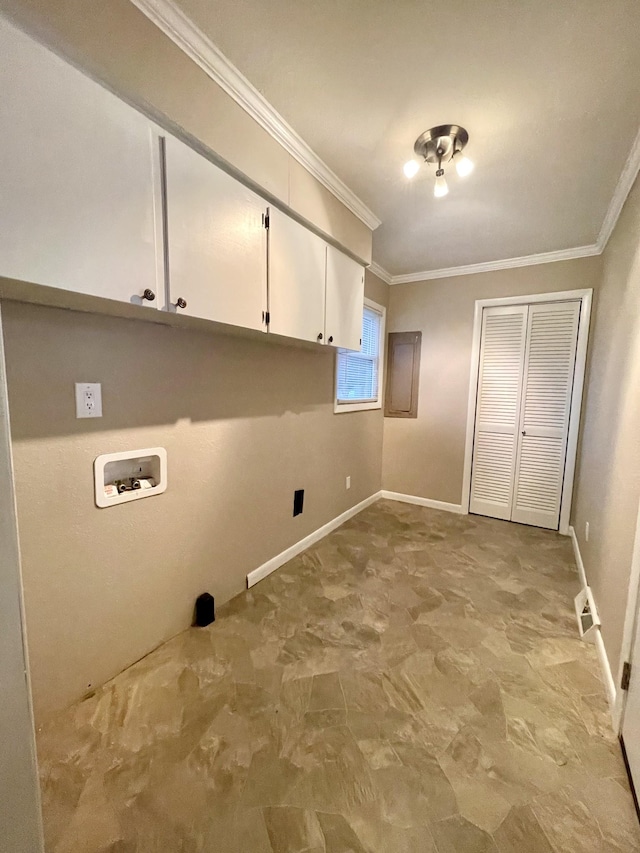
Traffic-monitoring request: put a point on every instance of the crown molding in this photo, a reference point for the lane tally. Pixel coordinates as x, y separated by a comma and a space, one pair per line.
622, 190
173, 22
381, 272
504, 264
191, 40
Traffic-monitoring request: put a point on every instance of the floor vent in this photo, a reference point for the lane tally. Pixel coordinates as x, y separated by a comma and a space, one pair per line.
586, 614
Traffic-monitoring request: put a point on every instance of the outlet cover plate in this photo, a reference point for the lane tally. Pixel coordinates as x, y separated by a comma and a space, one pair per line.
88, 400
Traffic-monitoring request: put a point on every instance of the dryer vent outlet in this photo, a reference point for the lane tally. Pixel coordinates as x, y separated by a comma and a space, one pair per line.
205, 610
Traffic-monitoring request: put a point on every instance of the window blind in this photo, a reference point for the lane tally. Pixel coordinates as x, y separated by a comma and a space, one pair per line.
357, 380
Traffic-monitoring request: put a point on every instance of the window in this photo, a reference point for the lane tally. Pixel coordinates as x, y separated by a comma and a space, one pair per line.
359, 374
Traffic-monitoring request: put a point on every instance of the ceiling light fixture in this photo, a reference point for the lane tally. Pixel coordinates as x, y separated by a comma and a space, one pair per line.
438, 145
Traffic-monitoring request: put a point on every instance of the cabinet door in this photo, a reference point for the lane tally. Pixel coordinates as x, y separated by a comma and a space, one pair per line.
216, 241
76, 179
297, 262
345, 300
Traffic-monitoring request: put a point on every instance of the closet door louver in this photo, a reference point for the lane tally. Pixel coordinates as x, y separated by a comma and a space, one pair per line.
498, 410
549, 365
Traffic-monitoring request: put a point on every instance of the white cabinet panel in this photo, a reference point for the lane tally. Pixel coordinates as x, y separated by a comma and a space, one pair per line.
216, 241
297, 261
76, 179
344, 300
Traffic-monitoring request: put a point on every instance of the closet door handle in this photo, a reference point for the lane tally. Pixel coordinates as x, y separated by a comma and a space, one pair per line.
181, 303
524, 432
331, 339
320, 336
149, 295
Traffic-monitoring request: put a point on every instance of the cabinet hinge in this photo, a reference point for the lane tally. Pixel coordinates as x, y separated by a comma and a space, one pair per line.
626, 675
265, 219
267, 318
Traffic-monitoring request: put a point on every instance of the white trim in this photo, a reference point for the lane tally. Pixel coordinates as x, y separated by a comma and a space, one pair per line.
381, 272
576, 553
607, 677
275, 562
585, 297
622, 190
504, 264
344, 408
575, 412
414, 499
605, 666
471, 405
175, 24
630, 621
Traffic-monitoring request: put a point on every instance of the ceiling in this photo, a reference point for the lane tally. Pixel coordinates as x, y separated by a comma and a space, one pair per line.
549, 92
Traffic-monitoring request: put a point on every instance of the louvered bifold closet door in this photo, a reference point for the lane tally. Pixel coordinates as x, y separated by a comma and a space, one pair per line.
502, 348
550, 357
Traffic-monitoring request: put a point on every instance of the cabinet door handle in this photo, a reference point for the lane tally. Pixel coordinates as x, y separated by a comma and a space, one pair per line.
149, 295
524, 432
181, 303
320, 336
331, 339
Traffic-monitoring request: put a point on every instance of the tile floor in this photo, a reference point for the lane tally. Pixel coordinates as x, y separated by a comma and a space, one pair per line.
411, 684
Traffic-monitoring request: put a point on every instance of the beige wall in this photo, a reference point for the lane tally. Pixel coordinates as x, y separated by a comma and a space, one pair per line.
20, 820
425, 456
608, 477
376, 289
118, 45
244, 421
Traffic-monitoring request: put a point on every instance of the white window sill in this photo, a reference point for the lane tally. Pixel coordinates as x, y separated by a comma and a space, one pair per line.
339, 408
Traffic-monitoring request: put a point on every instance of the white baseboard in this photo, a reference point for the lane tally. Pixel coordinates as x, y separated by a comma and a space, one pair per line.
607, 675
413, 499
280, 559
605, 666
578, 556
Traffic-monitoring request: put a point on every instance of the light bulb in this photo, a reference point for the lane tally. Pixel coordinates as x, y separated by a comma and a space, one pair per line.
411, 168
440, 188
464, 166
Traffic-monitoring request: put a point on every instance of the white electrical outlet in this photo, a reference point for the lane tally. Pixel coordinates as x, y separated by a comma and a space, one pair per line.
586, 532
348, 482
88, 400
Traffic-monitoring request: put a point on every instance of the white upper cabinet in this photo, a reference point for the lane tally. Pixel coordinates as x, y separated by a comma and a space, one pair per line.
216, 241
297, 263
94, 200
344, 300
77, 202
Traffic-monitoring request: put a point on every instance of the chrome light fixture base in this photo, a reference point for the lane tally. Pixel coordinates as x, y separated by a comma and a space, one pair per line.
439, 144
